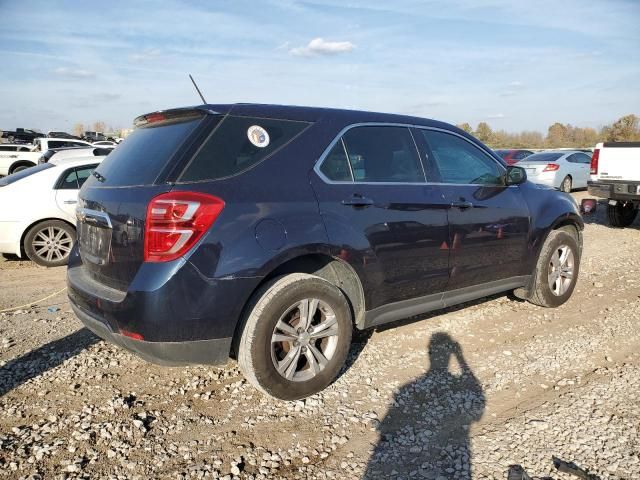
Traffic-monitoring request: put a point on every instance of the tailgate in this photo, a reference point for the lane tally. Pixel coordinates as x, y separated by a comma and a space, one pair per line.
619, 163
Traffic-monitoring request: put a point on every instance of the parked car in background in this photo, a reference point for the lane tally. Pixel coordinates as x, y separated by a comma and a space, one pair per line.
513, 156
43, 226
561, 169
14, 147
21, 135
62, 153
93, 136
615, 175
21, 160
44, 144
63, 135
258, 238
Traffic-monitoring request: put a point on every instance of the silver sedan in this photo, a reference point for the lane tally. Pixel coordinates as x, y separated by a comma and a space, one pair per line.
561, 169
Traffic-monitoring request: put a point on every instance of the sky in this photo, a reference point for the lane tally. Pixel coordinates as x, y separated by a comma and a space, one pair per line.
518, 65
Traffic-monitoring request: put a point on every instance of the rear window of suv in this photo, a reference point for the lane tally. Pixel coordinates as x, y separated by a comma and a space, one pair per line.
237, 144
141, 159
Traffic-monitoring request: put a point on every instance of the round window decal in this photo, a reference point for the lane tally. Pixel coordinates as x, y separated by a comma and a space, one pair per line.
258, 136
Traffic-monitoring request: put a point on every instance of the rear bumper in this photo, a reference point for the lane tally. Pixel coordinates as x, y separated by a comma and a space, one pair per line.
211, 352
179, 315
545, 178
615, 190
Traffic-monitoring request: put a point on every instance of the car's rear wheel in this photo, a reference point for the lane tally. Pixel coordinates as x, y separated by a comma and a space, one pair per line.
621, 214
566, 184
557, 269
49, 243
296, 336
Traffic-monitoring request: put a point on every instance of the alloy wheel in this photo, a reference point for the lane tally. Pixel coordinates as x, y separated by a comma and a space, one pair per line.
561, 268
304, 340
52, 244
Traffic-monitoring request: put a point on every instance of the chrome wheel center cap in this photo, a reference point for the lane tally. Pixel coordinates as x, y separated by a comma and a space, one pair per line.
304, 338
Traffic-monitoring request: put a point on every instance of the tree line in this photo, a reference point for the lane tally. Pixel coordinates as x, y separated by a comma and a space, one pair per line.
625, 129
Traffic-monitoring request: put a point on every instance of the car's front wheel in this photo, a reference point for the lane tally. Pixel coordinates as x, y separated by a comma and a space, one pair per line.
296, 336
49, 243
557, 269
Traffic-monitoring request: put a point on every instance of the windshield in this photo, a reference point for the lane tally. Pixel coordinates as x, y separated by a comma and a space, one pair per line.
543, 157
8, 180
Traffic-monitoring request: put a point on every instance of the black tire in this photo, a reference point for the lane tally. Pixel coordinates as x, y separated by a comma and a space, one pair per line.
264, 311
567, 184
36, 248
621, 214
20, 167
541, 292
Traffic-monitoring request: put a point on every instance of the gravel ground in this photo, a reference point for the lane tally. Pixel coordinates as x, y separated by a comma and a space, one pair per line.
463, 393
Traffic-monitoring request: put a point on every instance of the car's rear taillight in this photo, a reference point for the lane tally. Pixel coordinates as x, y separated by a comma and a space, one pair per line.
594, 161
552, 167
176, 221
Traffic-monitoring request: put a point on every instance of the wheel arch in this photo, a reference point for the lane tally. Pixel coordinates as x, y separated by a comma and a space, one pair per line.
36, 222
20, 163
331, 269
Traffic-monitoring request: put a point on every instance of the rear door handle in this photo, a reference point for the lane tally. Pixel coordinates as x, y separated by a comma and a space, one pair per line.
461, 204
358, 201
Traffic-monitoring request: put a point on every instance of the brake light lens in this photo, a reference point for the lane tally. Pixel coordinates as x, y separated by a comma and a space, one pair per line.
552, 167
594, 161
176, 221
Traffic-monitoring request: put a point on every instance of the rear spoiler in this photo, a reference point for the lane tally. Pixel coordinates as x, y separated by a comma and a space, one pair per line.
172, 115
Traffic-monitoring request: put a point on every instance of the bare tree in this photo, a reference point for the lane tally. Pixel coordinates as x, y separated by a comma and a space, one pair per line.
484, 133
99, 126
624, 129
78, 129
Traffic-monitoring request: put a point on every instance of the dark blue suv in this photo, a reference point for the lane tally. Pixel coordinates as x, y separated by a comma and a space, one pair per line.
267, 233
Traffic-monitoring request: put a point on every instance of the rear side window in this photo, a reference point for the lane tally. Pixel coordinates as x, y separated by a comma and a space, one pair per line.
75, 178
383, 154
336, 164
237, 144
140, 159
460, 162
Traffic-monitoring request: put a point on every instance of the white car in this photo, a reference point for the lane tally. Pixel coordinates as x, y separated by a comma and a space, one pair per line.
43, 226
14, 162
104, 143
63, 153
561, 169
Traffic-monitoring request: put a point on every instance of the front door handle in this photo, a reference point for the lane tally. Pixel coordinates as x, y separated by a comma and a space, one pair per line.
70, 202
461, 204
358, 201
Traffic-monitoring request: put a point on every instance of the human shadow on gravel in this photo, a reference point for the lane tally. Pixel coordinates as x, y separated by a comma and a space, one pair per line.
425, 434
21, 369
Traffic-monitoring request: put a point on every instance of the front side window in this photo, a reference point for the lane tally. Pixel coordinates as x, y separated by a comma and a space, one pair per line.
383, 154
458, 161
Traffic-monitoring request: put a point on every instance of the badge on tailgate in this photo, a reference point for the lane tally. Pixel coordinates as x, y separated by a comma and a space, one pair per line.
94, 235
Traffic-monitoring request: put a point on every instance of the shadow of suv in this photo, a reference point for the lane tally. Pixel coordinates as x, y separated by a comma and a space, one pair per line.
267, 233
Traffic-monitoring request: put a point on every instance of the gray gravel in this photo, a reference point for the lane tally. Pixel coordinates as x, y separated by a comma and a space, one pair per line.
461, 394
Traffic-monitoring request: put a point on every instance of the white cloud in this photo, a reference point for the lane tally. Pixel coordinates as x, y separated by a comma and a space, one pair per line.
73, 72
149, 54
320, 46
495, 116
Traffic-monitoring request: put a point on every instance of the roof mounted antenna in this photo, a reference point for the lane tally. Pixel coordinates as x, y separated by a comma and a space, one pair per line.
197, 89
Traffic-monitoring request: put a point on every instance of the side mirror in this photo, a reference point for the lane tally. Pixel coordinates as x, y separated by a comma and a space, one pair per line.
515, 175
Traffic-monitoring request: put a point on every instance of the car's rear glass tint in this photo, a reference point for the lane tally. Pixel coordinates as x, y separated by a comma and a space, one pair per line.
143, 155
543, 157
8, 180
237, 144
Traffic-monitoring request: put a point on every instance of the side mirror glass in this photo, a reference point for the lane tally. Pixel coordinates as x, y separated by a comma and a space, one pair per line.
515, 175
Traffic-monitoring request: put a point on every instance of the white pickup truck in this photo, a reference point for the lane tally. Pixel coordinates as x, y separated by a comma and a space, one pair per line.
615, 175
14, 161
